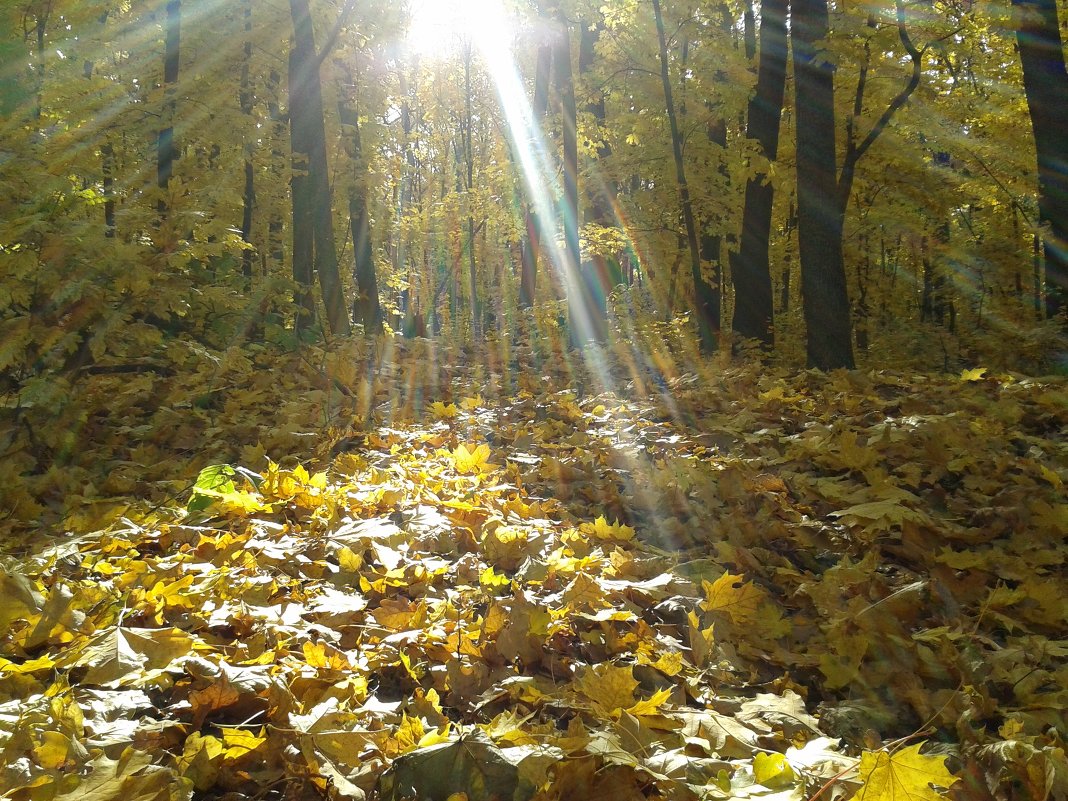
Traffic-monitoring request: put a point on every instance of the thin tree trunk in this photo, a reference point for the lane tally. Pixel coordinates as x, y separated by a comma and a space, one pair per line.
532, 225
1036, 277
40, 28
751, 270
403, 197
166, 150
708, 293
600, 273
1046, 87
301, 186
107, 168
366, 308
706, 333
469, 174
749, 28
276, 251
248, 197
584, 323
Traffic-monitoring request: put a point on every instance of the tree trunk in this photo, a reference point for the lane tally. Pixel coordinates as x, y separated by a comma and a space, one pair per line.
532, 239
1046, 87
302, 185
107, 168
600, 272
308, 133
276, 251
927, 293
820, 219
586, 323
705, 315
166, 151
41, 13
366, 308
469, 176
1036, 277
749, 29
248, 197
708, 293
751, 270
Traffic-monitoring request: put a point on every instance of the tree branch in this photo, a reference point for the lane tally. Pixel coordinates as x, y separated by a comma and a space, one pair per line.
331, 39
853, 155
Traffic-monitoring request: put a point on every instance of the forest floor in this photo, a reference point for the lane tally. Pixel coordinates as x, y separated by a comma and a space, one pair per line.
505, 574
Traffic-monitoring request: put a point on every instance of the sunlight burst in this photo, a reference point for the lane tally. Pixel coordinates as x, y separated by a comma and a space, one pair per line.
438, 27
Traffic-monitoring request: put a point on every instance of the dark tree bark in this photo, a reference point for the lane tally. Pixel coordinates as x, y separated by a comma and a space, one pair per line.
107, 168
466, 134
708, 293
311, 180
749, 27
750, 269
704, 323
1046, 87
166, 150
276, 251
600, 273
403, 194
820, 219
248, 196
40, 13
586, 320
822, 201
532, 240
301, 185
366, 308
1036, 277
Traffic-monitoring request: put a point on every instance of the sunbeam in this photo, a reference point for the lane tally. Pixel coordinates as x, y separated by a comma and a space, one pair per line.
438, 28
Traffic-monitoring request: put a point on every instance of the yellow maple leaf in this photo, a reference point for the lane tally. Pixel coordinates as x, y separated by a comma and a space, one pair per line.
238, 502
200, 760
320, 655
436, 736
610, 688
584, 592
54, 751
491, 579
470, 404
669, 663
408, 734
731, 594
973, 375
473, 459
239, 743
879, 515
906, 775
443, 411
650, 706
217, 695
772, 770
603, 530
702, 641
7, 667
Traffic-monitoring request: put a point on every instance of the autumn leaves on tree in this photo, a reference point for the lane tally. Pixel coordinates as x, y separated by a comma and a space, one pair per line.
708, 159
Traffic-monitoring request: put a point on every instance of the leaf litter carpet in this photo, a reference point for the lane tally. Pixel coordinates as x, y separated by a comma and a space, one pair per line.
732, 584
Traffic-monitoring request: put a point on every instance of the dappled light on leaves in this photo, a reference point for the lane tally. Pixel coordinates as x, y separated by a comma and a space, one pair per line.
479, 600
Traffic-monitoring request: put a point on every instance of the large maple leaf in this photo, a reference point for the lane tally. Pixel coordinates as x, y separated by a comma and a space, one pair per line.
906, 775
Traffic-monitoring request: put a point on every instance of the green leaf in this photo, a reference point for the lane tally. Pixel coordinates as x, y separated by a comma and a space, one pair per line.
215, 478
